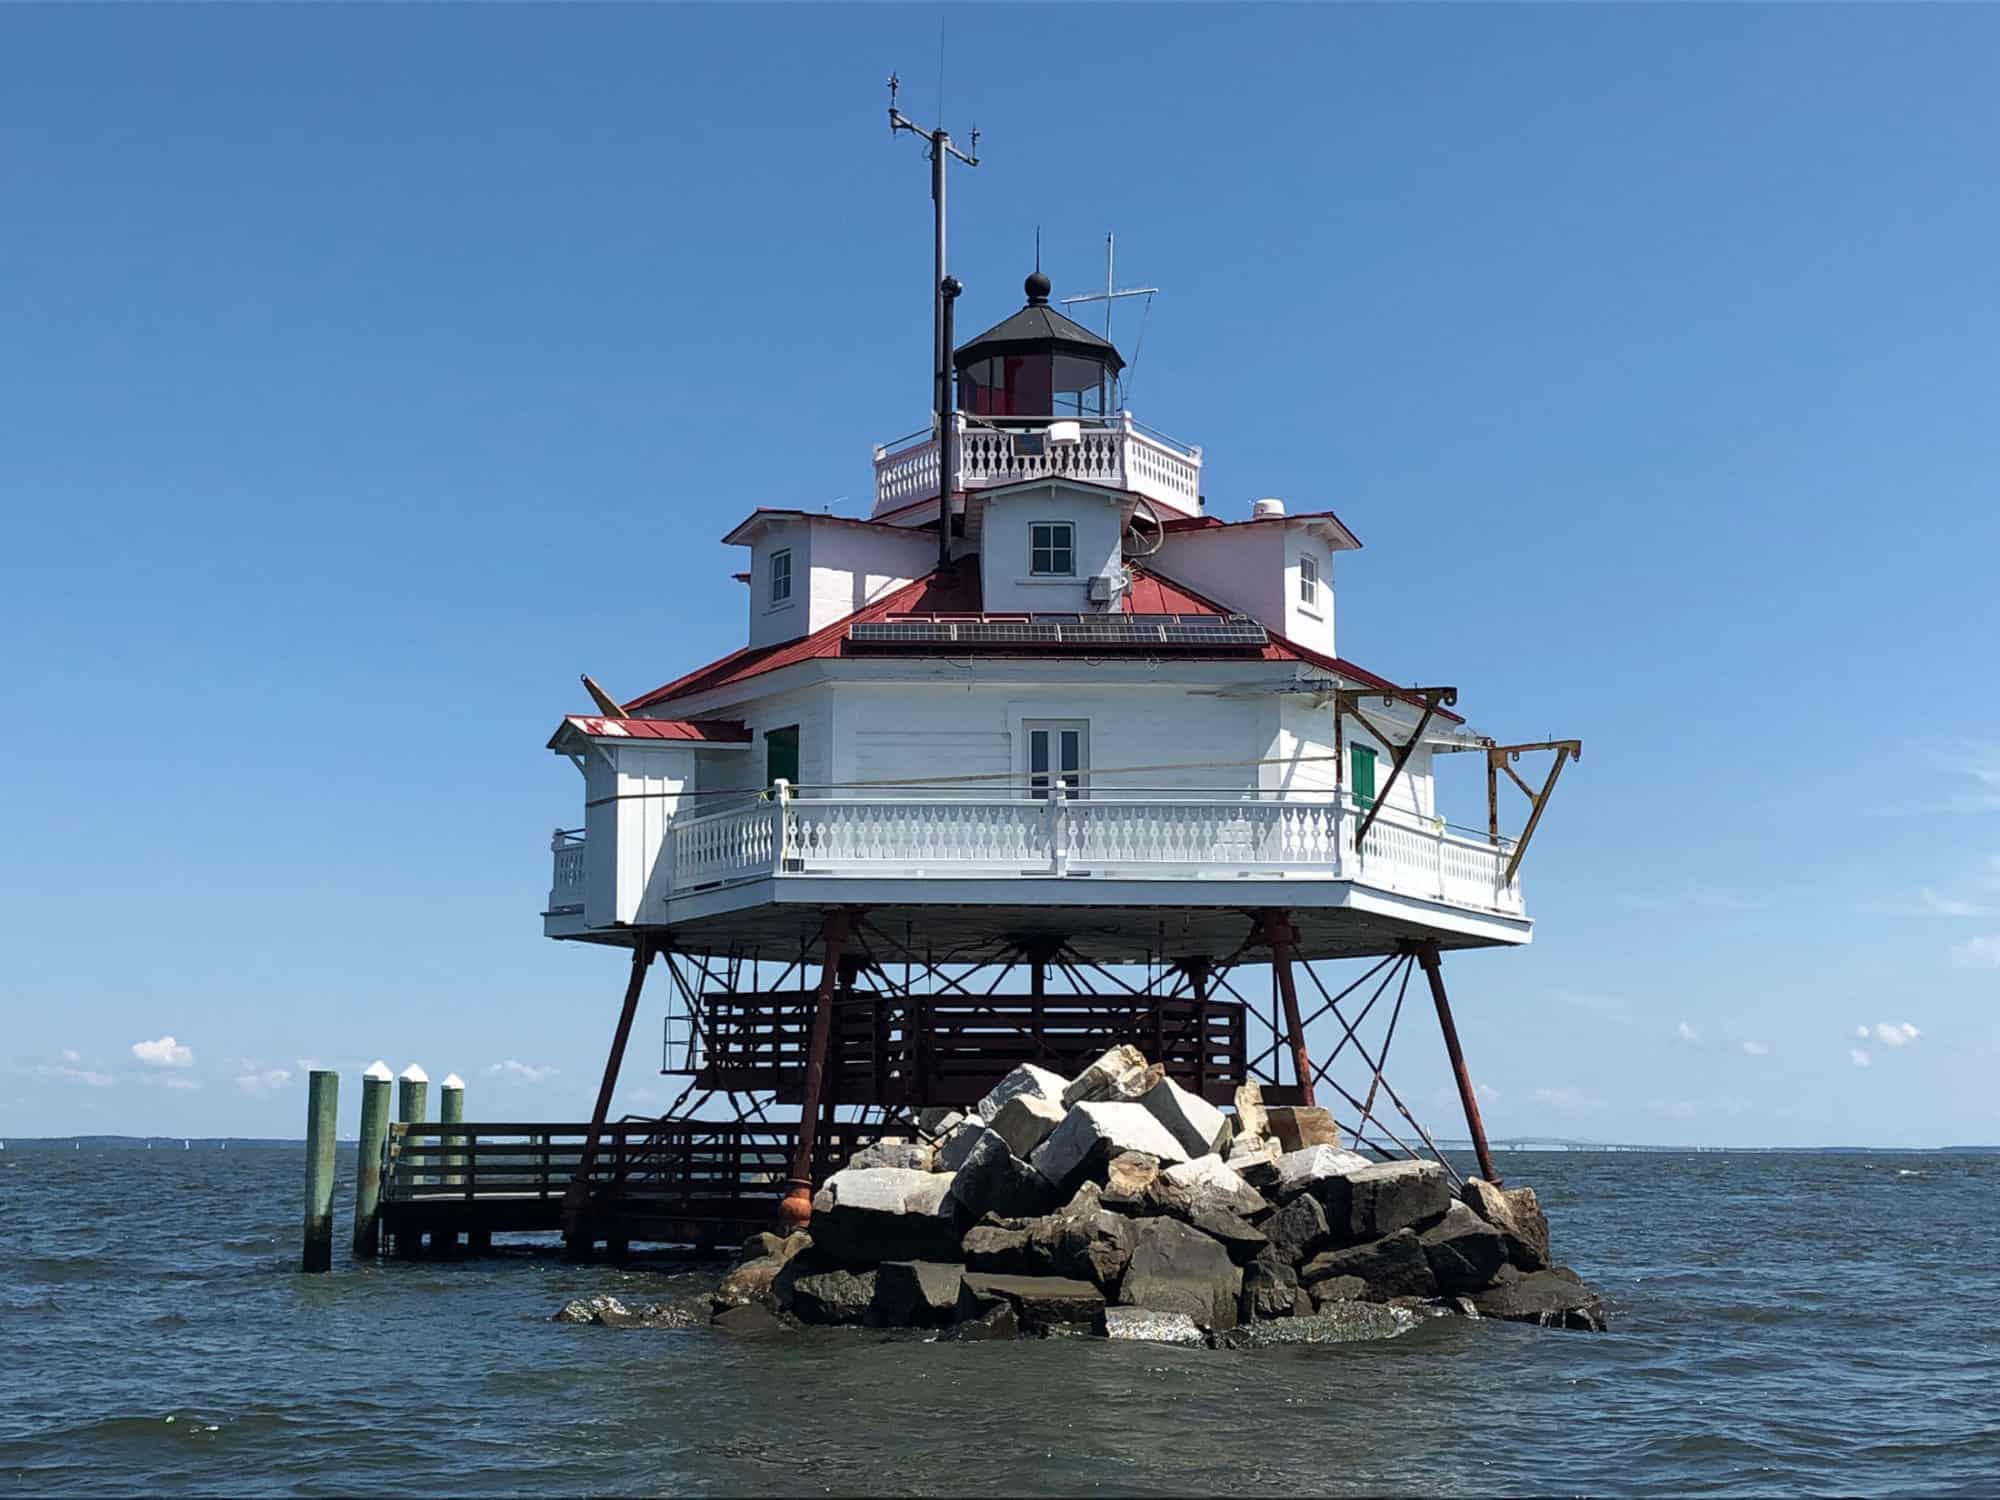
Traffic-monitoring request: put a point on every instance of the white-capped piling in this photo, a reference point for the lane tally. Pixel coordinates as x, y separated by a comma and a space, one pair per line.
451, 1111
413, 1103
322, 1105
368, 1174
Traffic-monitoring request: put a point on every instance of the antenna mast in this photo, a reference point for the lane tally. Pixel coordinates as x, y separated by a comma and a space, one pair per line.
943, 289
1112, 291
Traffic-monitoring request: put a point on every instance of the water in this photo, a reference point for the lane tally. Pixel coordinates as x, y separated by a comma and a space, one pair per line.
1784, 1325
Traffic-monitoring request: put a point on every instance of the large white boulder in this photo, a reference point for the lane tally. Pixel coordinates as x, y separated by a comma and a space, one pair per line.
1026, 1081
864, 1215
1190, 1119
1118, 1074
1094, 1132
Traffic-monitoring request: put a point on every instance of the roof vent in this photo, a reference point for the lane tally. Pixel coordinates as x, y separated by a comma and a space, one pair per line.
1265, 509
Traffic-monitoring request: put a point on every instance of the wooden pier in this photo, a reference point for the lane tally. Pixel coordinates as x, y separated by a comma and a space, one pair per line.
448, 1188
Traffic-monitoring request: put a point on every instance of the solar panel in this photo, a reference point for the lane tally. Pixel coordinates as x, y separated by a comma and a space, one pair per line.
1077, 632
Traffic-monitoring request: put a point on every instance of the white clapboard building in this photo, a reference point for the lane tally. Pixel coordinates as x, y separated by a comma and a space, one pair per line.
1105, 730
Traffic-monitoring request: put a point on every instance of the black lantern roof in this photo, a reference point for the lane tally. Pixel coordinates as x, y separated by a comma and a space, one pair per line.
1038, 329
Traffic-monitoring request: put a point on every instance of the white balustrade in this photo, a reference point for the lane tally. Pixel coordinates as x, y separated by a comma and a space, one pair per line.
566, 881
1210, 838
1109, 452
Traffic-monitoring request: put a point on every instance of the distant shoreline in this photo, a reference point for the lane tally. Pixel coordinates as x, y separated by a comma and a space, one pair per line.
1519, 1147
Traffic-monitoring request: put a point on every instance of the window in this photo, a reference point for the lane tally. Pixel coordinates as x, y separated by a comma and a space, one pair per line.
1052, 549
781, 753
1058, 750
1361, 772
781, 577
1308, 583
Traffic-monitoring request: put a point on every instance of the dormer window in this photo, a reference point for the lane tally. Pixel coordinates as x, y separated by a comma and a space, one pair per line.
1308, 583
781, 578
1052, 549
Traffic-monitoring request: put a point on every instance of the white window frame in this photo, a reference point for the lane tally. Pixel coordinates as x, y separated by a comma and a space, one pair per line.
1066, 547
778, 597
1075, 777
1308, 583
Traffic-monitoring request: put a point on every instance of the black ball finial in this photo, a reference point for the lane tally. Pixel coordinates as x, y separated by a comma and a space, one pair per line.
1038, 288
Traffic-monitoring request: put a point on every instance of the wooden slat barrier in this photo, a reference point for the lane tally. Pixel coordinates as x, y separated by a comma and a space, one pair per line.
726, 1168
950, 1049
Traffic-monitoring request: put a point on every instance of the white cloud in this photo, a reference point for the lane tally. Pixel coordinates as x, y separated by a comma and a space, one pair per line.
174, 1082
1977, 953
71, 1055
260, 1083
527, 1072
1861, 1032
1860, 1057
88, 1077
1949, 906
1757, 1049
1686, 1033
164, 1053
1893, 1035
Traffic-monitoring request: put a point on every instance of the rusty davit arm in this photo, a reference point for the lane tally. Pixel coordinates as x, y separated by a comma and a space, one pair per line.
1348, 701
1498, 758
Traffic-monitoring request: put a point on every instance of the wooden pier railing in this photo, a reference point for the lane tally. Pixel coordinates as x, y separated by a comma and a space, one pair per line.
679, 1180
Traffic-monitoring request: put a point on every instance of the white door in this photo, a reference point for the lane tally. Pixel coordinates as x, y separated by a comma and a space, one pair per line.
1058, 750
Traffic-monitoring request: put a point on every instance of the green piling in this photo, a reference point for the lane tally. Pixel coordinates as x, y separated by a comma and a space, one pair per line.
413, 1107
368, 1175
322, 1105
451, 1111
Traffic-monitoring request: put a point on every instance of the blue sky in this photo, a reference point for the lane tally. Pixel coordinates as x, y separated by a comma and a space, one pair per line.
366, 374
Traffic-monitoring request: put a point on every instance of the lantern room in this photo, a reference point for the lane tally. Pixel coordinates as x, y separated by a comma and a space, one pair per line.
1036, 365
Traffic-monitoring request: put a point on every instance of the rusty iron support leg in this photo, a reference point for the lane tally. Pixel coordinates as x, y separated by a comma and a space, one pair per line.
1427, 955
795, 1209
576, 1198
1281, 936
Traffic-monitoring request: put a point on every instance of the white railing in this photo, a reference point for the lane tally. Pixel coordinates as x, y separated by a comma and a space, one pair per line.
1186, 836
1113, 451
566, 880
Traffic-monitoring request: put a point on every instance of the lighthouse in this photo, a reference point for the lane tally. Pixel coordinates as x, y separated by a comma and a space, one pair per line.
1044, 754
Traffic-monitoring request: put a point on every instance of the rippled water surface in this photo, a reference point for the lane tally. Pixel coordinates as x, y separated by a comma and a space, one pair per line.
1784, 1324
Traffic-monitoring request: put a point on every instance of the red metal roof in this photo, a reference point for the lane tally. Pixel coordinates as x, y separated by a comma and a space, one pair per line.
955, 591
707, 731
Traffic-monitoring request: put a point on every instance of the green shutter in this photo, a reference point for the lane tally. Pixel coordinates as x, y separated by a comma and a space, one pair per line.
1361, 772
781, 755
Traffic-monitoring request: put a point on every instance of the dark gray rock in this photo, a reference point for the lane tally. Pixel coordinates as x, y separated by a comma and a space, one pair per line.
1465, 1252
1081, 1148
1394, 1266
1176, 1268
1143, 1324
1039, 1301
754, 1281
1554, 1298
989, 1178
1299, 1231
1084, 1242
1002, 1249
1243, 1240
1337, 1289
994, 1319
912, 1156
916, 1294
586, 1309
653, 1315
833, 1297
1395, 1195
1517, 1214
1270, 1290
1335, 1323
751, 1317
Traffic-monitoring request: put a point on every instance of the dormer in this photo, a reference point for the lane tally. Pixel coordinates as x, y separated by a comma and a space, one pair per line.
1050, 546
808, 570
1275, 568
